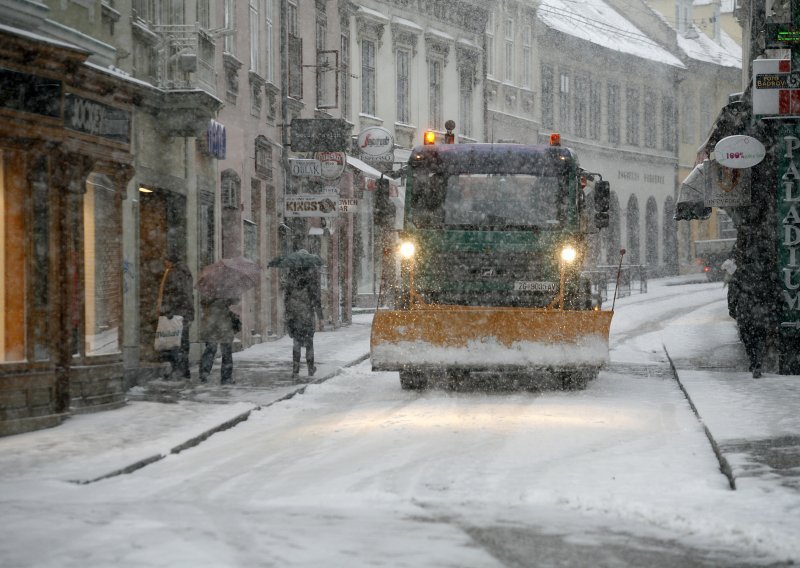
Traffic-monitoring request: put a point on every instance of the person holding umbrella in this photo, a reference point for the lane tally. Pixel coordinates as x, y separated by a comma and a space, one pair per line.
218, 327
221, 285
302, 302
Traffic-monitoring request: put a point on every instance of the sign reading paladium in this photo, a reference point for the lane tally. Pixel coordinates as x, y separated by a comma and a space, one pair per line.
789, 225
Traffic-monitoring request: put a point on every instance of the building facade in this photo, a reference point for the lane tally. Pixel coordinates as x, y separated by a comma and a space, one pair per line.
65, 162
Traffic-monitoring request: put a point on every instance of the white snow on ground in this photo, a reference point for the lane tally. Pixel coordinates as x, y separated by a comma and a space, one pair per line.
356, 472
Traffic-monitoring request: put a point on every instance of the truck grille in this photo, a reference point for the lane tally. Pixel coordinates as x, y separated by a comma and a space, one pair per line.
487, 279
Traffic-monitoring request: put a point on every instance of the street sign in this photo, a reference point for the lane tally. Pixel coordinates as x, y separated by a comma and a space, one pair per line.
333, 164
305, 168
310, 205
320, 135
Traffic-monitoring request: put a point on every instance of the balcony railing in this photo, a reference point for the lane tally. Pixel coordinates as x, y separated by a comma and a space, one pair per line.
185, 58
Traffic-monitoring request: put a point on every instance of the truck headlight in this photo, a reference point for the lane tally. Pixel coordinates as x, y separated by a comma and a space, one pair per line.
407, 249
569, 254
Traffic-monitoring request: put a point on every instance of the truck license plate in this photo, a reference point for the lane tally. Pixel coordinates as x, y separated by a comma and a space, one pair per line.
528, 286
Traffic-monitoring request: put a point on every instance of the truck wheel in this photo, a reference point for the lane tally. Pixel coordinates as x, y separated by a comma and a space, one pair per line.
573, 380
413, 380
456, 378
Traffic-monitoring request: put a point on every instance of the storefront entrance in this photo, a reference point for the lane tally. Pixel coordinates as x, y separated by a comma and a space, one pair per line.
162, 233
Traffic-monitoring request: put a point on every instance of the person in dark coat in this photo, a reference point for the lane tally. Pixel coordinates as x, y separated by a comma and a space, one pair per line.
302, 302
178, 300
218, 325
755, 309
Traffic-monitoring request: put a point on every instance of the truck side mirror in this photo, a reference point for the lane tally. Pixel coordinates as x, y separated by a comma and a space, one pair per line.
602, 200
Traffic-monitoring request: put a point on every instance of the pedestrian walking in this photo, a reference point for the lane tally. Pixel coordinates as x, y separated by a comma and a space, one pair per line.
178, 300
302, 302
218, 326
755, 309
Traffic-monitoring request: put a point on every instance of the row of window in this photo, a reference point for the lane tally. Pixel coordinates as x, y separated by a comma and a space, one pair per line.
403, 86
580, 110
508, 73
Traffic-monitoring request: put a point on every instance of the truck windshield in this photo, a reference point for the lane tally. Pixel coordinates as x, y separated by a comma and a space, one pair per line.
485, 201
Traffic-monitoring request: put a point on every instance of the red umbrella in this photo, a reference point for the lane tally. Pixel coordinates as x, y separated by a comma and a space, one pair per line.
228, 277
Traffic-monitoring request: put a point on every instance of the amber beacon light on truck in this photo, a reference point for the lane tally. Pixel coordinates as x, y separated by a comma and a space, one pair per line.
429, 137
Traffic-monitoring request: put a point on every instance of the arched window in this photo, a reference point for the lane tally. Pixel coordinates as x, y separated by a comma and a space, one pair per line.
651, 233
230, 187
632, 229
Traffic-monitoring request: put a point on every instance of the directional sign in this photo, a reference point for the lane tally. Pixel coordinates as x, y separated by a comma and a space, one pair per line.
305, 168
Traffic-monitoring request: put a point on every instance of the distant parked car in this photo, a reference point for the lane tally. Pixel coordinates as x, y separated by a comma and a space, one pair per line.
712, 267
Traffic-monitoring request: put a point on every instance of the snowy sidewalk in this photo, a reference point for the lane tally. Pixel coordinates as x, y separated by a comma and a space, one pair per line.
167, 417
754, 422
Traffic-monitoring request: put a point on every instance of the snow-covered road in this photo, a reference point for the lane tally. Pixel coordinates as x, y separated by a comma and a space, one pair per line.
357, 472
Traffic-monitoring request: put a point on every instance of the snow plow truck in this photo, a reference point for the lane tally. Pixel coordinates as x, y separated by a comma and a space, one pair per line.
494, 237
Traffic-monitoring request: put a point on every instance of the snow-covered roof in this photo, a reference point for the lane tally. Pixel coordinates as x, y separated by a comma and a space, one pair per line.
40, 38
725, 6
731, 46
596, 22
703, 48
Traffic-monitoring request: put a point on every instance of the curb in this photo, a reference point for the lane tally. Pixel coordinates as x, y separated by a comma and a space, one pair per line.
724, 466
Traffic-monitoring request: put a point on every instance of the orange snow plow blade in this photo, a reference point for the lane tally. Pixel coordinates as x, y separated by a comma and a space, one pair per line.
488, 338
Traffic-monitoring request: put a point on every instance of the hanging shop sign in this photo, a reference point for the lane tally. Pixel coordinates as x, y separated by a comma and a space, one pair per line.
776, 88
301, 167
332, 164
788, 217
217, 139
726, 187
349, 205
739, 152
96, 119
30, 93
320, 134
310, 205
375, 145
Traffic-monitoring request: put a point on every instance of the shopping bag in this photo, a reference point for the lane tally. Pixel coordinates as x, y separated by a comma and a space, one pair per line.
168, 333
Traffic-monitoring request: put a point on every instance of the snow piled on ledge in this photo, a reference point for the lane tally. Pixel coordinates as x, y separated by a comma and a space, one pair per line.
489, 353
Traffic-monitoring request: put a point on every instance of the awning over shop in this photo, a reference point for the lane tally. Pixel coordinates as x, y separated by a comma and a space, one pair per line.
364, 168
691, 196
